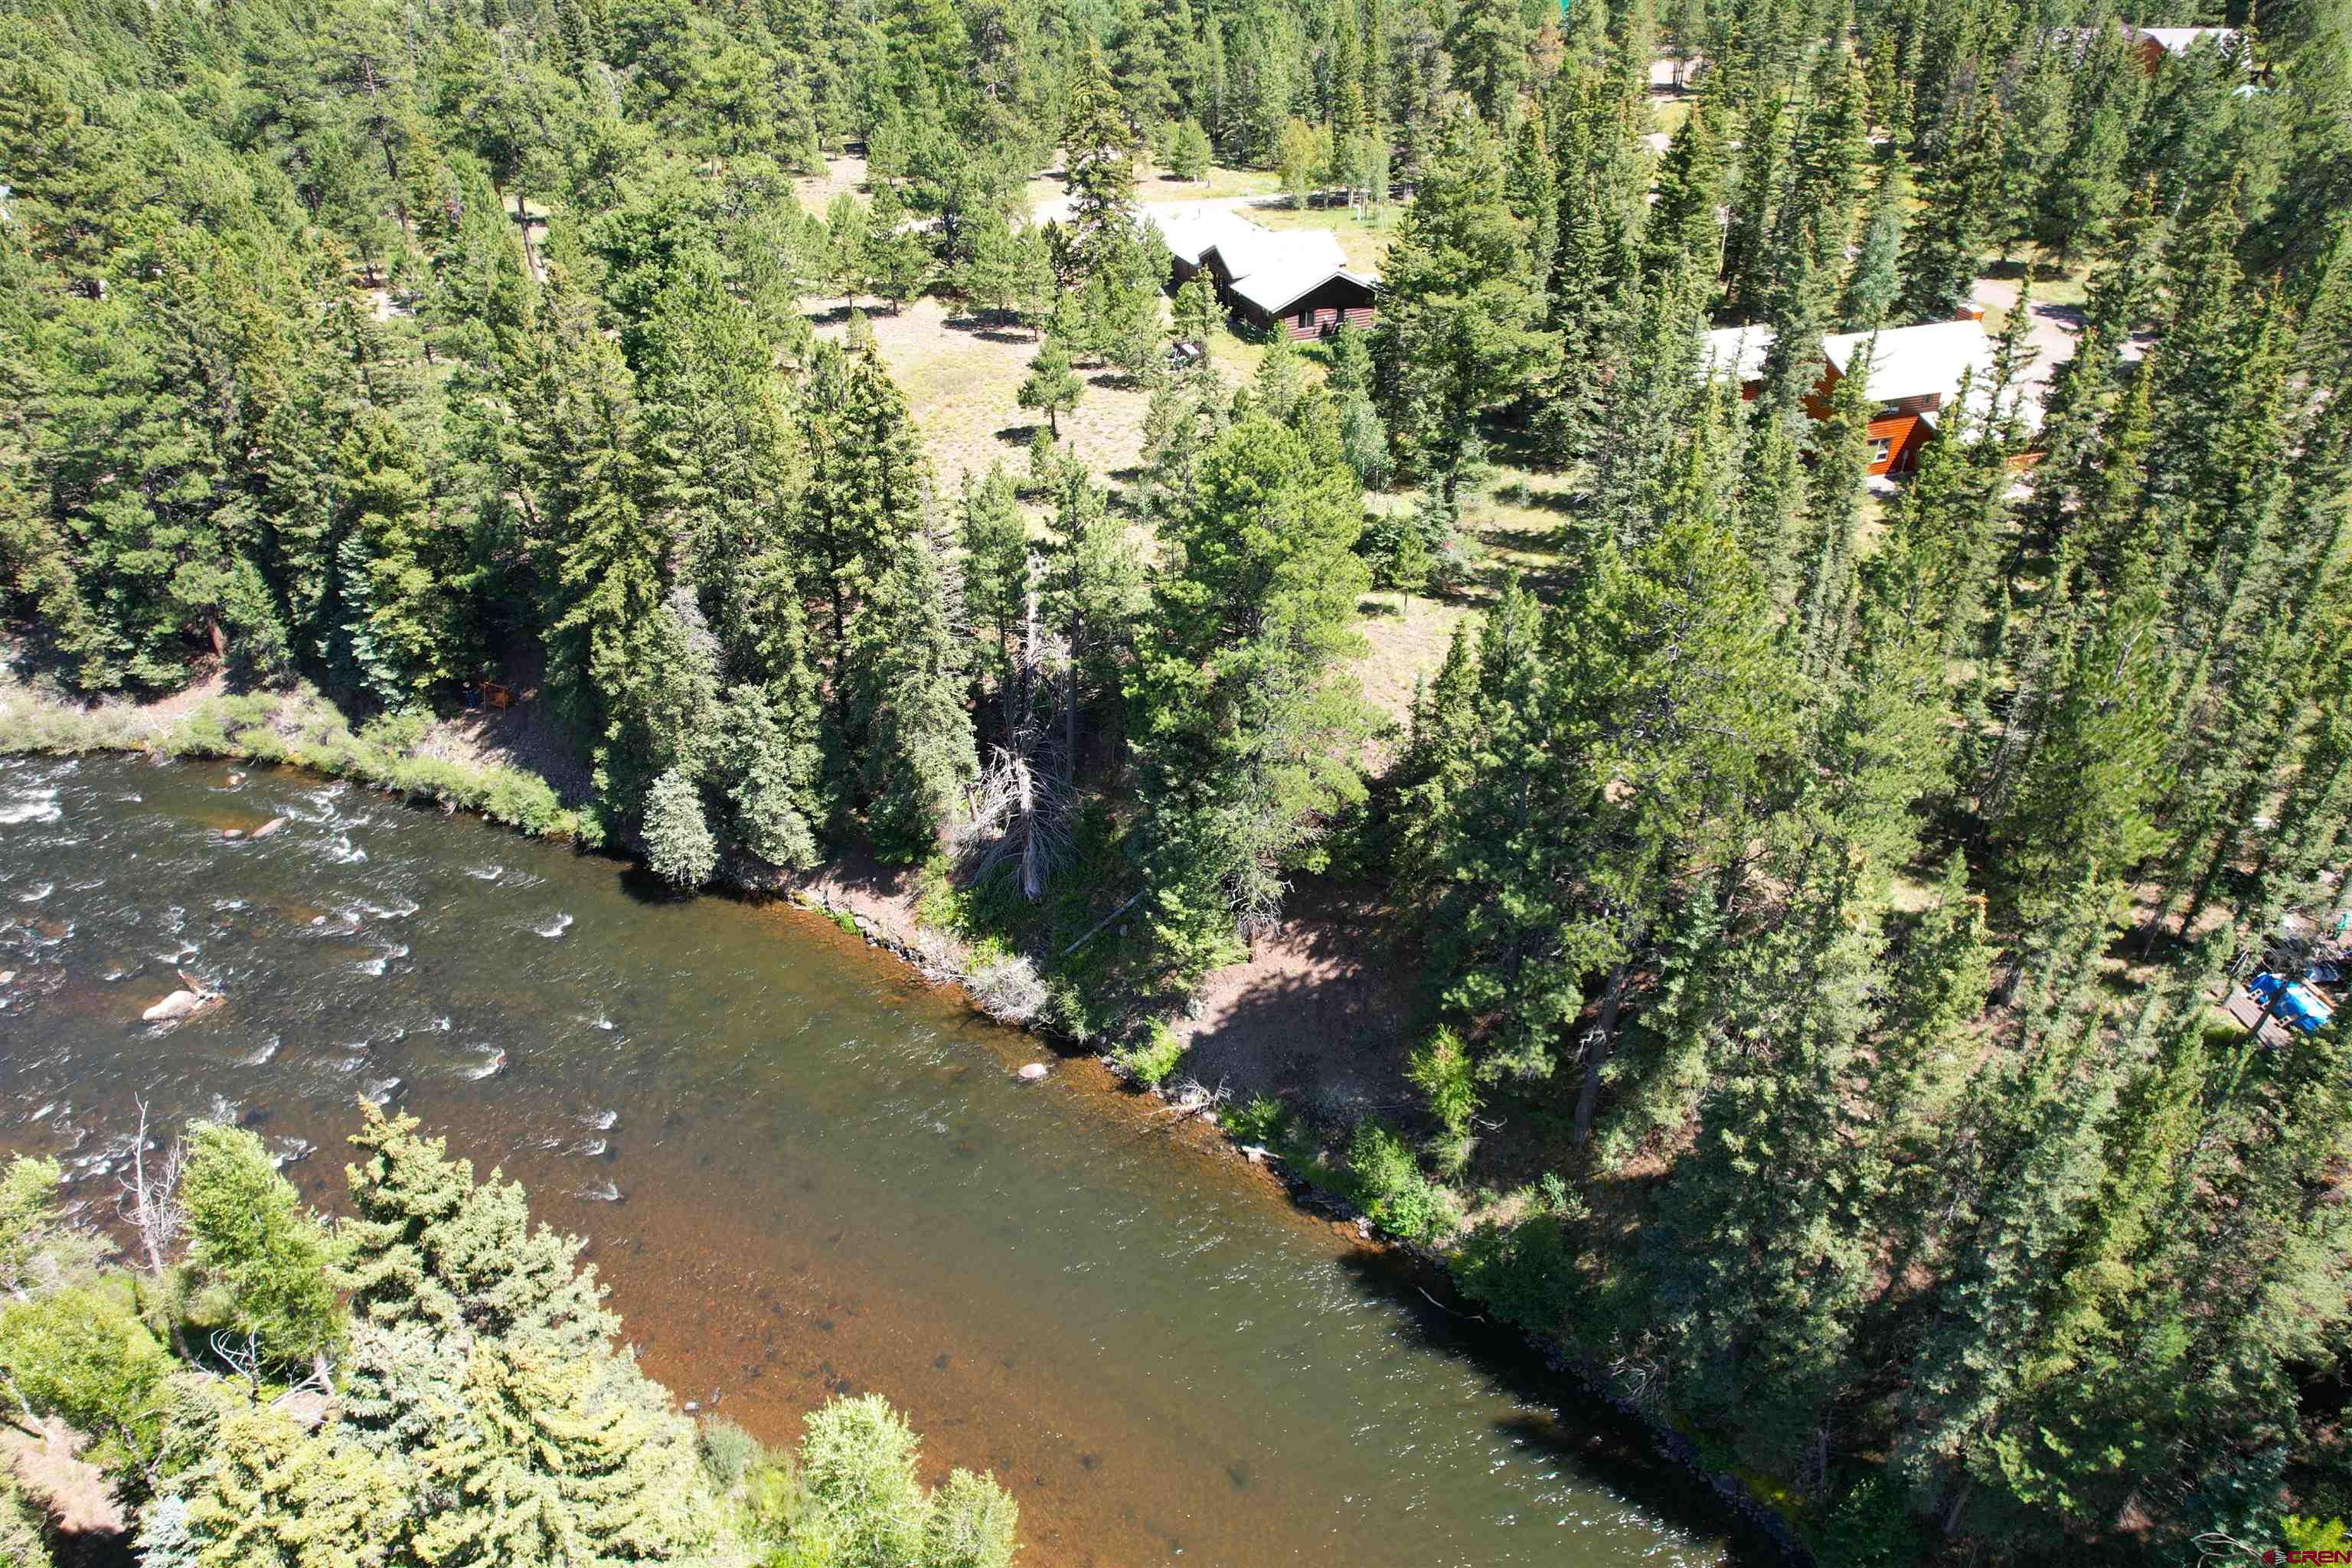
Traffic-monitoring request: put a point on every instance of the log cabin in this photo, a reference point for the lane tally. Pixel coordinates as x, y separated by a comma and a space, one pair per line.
1298, 279
2157, 44
1916, 372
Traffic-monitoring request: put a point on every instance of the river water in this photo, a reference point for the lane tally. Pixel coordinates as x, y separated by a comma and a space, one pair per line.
801, 1170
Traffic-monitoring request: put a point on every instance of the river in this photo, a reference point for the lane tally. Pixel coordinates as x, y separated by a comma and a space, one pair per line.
801, 1170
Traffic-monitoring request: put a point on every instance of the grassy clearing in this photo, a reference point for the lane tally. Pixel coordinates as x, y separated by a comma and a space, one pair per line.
1155, 183
1364, 241
962, 381
1517, 520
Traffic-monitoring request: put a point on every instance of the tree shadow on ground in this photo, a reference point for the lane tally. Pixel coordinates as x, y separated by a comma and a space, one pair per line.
992, 327
1316, 1013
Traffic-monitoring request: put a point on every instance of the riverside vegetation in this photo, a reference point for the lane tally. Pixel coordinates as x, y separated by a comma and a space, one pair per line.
427, 1380
1820, 899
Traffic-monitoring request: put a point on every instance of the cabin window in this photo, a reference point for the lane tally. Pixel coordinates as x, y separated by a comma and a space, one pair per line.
1881, 449
1306, 317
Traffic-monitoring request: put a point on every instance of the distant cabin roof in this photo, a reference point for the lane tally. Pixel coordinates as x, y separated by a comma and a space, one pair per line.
1189, 234
1910, 361
1736, 351
2180, 40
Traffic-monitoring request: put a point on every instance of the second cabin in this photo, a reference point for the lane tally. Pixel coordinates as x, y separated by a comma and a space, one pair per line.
1916, 375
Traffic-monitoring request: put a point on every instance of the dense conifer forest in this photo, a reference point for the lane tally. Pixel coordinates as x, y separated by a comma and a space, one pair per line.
1823, 888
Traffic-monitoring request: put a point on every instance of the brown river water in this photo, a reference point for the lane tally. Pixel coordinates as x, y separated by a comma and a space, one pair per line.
801, 1172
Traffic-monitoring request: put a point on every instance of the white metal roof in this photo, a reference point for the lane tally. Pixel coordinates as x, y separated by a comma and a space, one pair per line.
2179, 40
1736, 351
1258, 250
1270, 270
1913, 362
1910, 361
1274, 289
1188, 233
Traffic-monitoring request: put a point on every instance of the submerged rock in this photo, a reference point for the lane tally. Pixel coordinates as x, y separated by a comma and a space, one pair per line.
1032, 1073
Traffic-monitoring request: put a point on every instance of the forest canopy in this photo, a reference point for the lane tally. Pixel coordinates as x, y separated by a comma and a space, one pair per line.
1819, 886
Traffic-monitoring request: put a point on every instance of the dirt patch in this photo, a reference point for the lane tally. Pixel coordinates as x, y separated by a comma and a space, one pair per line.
527, 734
1316, 1015
69, 1490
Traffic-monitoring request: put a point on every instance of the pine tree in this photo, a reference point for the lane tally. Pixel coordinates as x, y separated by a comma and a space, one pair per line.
774, 766
1051, 387
1768, 1226
679, 847
1960, 177
909, 653
431, 1248
259, 1487
1488, 44
997, 581
1458, 330
1094, 598
557, 1462
1197, 316
608, 568
867, 492
1872, 286
1099, 146
250, 1239
1243, 715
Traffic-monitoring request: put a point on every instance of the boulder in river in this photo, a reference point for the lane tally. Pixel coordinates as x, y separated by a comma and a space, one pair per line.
268, 827
180, 1004
1032, 1073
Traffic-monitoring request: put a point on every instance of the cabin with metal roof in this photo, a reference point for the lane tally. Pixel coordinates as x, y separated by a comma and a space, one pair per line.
1916, 374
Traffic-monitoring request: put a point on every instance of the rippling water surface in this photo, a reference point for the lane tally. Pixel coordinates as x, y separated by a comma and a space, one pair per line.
802, 1172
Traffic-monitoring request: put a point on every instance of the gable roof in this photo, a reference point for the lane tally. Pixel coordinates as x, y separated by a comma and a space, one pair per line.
1188, 235
1913, 361
1910, 361
1736, 351
1271, 269
1257, 250
2181, 40
1275, 289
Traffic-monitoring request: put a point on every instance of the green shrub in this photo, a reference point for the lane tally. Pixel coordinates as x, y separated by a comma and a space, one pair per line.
1150, 1061
1868, 1528
1261, 1121
1442, 1070
1386, 1182
728, 1452
398, 733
